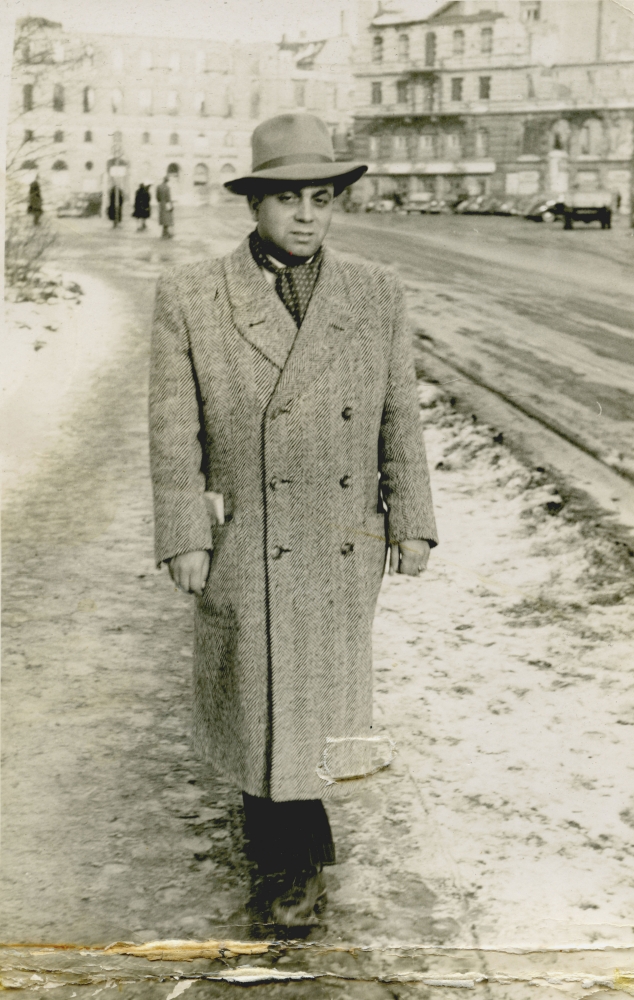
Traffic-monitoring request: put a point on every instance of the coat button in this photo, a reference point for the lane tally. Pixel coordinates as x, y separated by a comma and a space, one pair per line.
347, 413
345, 481
347, 548
274, 483
278, 552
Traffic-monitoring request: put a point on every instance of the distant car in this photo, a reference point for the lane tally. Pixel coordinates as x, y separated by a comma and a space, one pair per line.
80, 206
380, 205
545, 210
418, 202
588, 206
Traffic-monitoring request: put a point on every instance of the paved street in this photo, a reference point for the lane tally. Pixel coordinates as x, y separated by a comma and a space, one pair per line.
506, 818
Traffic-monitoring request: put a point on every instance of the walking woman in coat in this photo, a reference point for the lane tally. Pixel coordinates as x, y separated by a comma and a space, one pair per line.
35, 206
166, 208
142, 206
287, 462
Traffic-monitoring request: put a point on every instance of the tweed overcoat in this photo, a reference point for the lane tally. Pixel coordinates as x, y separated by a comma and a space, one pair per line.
313, 438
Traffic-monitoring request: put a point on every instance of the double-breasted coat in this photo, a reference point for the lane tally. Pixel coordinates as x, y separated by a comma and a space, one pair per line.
166, 207
313, 438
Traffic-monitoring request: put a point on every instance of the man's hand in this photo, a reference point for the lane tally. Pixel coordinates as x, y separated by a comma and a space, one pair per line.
409, 557
189, 571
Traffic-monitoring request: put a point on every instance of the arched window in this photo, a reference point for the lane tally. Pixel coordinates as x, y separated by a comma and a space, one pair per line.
482, 143
403, 46
88, 165
591, 139
58, 136
430, 49
60, 165
377, 49
174, 140
201, 175
458, 42
87, 136
88, 99
486, 41
145, 138
116, 100
174, 171
29, 165
227, 168
58, 97
560, 135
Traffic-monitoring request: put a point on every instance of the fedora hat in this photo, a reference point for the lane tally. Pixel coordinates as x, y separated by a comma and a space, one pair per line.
295, 148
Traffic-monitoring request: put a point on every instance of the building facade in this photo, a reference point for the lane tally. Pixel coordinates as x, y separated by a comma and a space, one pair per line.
89, 109
503, 97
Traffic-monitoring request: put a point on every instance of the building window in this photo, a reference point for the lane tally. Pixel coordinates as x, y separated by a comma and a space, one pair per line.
228, 140
456, 88
145, 59
58, 97
427, 146
145, 138
484, 88
377, 93
377, 49
60, 165
29, 165
88, 165
58, 136
403, 46
402, 91
202, 141
27, 97
254, 104
200, 106
201, 175
201, 61
453, 145
458, 42
175, 62
172, 102
227, 168
28, 135
299, 90
482, 143
530, 10
88, 99
117, 60
229, 103
174, 140
430, 49
591, 138
145, 101
116, 100
174, 171
87, 136
399, 147
486, 41
374, 147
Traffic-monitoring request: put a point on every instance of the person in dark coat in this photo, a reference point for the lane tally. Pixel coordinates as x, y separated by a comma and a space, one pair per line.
115, 205
35, 207
287, 463
166, 208
142, 206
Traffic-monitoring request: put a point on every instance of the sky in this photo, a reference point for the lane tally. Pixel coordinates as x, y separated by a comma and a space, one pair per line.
225, 20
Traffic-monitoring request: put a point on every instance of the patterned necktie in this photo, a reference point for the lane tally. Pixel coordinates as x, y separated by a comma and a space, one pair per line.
295, 281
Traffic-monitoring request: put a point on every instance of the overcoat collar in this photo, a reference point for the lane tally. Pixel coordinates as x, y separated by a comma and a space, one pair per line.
263, 320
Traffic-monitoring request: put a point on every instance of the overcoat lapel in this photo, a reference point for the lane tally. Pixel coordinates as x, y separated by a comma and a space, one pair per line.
258, 313
323, 334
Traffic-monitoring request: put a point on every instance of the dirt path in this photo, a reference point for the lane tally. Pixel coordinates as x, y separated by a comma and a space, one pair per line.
503, 674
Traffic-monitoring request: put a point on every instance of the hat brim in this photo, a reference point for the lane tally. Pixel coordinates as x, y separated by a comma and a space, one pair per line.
341, 173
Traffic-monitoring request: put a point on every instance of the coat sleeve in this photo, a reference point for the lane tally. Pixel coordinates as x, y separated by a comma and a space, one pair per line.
180, 517
402, 460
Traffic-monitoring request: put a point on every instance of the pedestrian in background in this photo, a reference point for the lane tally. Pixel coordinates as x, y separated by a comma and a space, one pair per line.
287, 459
35, 207
166, 208
115, 206
142, 206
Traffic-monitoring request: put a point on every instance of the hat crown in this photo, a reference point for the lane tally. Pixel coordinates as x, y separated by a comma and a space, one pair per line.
291, 139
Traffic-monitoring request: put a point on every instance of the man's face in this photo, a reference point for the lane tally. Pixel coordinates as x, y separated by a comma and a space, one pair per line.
296, 220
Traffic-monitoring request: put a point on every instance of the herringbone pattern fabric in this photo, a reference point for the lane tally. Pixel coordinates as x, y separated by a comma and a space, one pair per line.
294, 428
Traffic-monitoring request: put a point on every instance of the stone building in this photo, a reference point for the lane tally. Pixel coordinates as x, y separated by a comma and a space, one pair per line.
93, 108
496, 96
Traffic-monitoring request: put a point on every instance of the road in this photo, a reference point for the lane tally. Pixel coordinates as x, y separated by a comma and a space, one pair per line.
491, 668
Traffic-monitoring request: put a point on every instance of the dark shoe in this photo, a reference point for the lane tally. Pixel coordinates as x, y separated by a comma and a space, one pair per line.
299, 904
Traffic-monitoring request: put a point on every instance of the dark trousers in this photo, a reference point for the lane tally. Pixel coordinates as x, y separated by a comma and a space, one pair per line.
284, 836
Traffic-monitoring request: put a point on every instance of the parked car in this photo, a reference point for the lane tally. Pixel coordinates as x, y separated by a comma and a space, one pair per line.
545, 210
588, 206
380, 205
80, 206
418, 202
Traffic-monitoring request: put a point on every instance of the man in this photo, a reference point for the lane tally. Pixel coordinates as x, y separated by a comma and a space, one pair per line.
142, 206
166, 208
115, 205
286, 456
